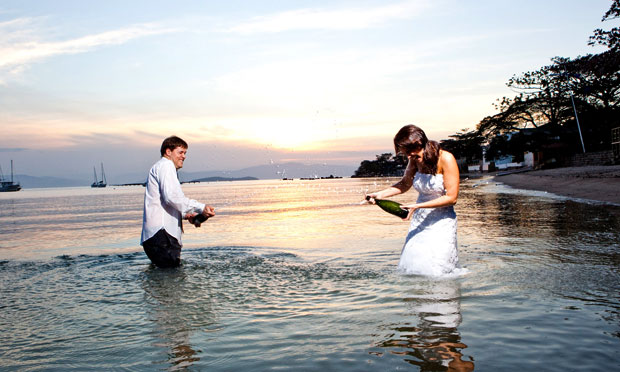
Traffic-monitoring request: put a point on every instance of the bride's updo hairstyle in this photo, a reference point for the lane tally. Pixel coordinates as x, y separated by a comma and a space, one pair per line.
411, 138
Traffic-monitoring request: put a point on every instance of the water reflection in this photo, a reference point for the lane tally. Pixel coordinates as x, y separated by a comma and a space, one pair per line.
170, 295
433, 342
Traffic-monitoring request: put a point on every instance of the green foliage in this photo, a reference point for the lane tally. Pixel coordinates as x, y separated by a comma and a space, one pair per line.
385, 165
465, 145
611, 38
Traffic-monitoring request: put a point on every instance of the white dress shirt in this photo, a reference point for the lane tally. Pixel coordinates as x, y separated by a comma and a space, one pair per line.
164, 202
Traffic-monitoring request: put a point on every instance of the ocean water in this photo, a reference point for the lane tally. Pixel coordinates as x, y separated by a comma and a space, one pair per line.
297, 275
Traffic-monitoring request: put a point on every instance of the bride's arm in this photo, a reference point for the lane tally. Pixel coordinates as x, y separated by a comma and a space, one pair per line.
399, 187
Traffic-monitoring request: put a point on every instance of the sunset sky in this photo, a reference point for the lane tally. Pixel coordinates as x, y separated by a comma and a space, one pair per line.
252, 82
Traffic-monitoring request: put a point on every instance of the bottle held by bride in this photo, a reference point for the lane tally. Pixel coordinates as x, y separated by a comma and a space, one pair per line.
390, 206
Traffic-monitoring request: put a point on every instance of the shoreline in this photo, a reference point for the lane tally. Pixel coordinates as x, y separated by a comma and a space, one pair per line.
600, 183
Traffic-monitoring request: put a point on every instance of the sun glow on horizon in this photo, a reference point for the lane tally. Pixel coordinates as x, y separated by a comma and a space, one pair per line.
287, 133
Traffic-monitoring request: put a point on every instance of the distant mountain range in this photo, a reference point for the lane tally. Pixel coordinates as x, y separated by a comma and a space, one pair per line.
270, 171
219, 179
276, 171
31, 182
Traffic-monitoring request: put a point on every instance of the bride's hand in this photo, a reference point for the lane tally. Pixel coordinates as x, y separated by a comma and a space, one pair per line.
411, 208
370, 198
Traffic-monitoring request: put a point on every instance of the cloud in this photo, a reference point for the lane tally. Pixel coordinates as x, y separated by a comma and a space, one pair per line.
21, 42
344, 19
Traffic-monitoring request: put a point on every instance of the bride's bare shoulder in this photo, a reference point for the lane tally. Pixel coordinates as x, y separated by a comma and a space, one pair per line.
447, 155
446, 160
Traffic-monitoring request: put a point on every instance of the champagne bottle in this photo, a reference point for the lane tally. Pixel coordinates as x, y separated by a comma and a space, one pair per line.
391, 207
199, 218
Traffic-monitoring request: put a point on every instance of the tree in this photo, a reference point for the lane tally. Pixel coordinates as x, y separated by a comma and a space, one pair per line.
611, 38
543, 98
465, 144
385, 165
587, 86
595, 79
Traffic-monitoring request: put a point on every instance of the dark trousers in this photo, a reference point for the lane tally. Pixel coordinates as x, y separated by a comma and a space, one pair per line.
163, 249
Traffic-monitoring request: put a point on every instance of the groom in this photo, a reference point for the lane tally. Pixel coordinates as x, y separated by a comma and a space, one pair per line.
165, 205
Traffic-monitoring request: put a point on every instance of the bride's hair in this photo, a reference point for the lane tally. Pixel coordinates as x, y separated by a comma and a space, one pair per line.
411, 138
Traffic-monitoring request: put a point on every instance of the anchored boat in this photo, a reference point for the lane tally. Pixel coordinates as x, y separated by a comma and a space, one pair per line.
6, 185
99, 183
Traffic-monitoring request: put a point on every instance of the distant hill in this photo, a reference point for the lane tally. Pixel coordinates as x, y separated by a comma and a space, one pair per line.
276, 171
219, 179
31, 182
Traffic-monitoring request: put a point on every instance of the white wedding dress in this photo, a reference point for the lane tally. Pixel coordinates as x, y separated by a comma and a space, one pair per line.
430, 248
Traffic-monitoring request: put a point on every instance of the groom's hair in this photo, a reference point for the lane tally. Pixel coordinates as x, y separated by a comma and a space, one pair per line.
172, 143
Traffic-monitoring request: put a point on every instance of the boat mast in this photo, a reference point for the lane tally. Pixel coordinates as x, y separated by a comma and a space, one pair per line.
103, 180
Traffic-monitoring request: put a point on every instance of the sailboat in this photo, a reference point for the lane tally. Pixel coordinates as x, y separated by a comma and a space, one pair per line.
6, 185
97, 183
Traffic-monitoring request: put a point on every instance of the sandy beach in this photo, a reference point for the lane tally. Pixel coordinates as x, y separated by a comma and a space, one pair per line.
600, 183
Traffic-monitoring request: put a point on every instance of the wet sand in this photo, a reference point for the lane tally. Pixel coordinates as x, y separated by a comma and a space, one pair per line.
600, 183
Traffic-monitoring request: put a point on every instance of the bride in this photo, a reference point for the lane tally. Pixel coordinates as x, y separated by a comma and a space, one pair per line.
430, 247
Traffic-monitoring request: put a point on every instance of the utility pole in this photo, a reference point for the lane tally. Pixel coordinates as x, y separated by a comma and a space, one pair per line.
572, 99
583, 147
